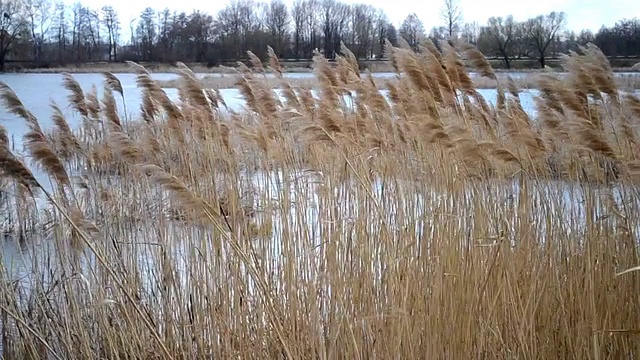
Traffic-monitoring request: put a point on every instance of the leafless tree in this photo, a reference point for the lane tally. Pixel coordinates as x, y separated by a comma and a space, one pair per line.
147, 33
34, 31
111, 22
61, 29
451, 13
363, 30
470, 32
499, 38
306, 27
412, 30
382, 32
541, 31
13, 24
277, 21
38, 14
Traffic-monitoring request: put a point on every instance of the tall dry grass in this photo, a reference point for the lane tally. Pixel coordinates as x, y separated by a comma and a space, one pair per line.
432, 225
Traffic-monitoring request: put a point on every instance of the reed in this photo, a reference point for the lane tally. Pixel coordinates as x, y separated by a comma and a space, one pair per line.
346, 225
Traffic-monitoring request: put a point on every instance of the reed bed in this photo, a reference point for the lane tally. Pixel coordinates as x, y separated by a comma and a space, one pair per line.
431, 225
523, 80
227, 81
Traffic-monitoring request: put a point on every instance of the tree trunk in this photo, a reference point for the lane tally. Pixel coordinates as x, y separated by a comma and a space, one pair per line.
542, 61
507, 62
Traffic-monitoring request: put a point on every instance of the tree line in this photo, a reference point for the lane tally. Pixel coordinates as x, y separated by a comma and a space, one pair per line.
45, 33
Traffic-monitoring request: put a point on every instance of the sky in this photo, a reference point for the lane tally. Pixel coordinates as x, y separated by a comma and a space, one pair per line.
581, 14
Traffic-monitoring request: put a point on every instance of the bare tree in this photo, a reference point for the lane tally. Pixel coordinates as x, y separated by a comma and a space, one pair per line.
382, 33
306, 27
199, 29
81, 33
470, 32
111, 22
541, 31
146, 33
328, 24
13, 24
412, 30
363, 30
61, 28
438, 34
452, 15
239, 28
498, 38
298, 14
38, 14
334, 21
277, 21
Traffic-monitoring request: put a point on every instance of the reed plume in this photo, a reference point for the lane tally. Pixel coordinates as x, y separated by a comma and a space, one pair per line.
70, 144
35, 140
479, 61
13, 104
274, 62
113, 83
76, 95
256, 62
111, 110
12, 167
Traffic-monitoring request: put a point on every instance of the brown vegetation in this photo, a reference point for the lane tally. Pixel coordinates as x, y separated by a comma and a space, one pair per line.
528, 80
433, 225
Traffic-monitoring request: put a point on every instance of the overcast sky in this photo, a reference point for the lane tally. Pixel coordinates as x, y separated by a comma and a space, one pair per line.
581, 14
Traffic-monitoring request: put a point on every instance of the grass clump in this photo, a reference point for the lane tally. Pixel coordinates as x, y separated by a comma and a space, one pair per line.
342, 225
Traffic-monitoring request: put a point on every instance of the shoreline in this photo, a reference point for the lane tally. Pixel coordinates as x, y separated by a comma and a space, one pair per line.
225, 77
287, 67
527, 81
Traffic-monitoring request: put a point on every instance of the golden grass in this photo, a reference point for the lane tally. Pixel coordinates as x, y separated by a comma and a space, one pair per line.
431, 226
525, 80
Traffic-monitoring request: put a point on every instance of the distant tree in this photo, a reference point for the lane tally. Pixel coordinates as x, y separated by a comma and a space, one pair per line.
622, 39
392, 34
307, 23
382, 29
199, 30
438, 34
13, 24
146, 33
541, 31
363, 30
85, 31
61, 29
498, 38
333, 21
277, 21
76, 32
470, 32
112, 24
38, 13
585, 37
237, 27
412, 30
451, 13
